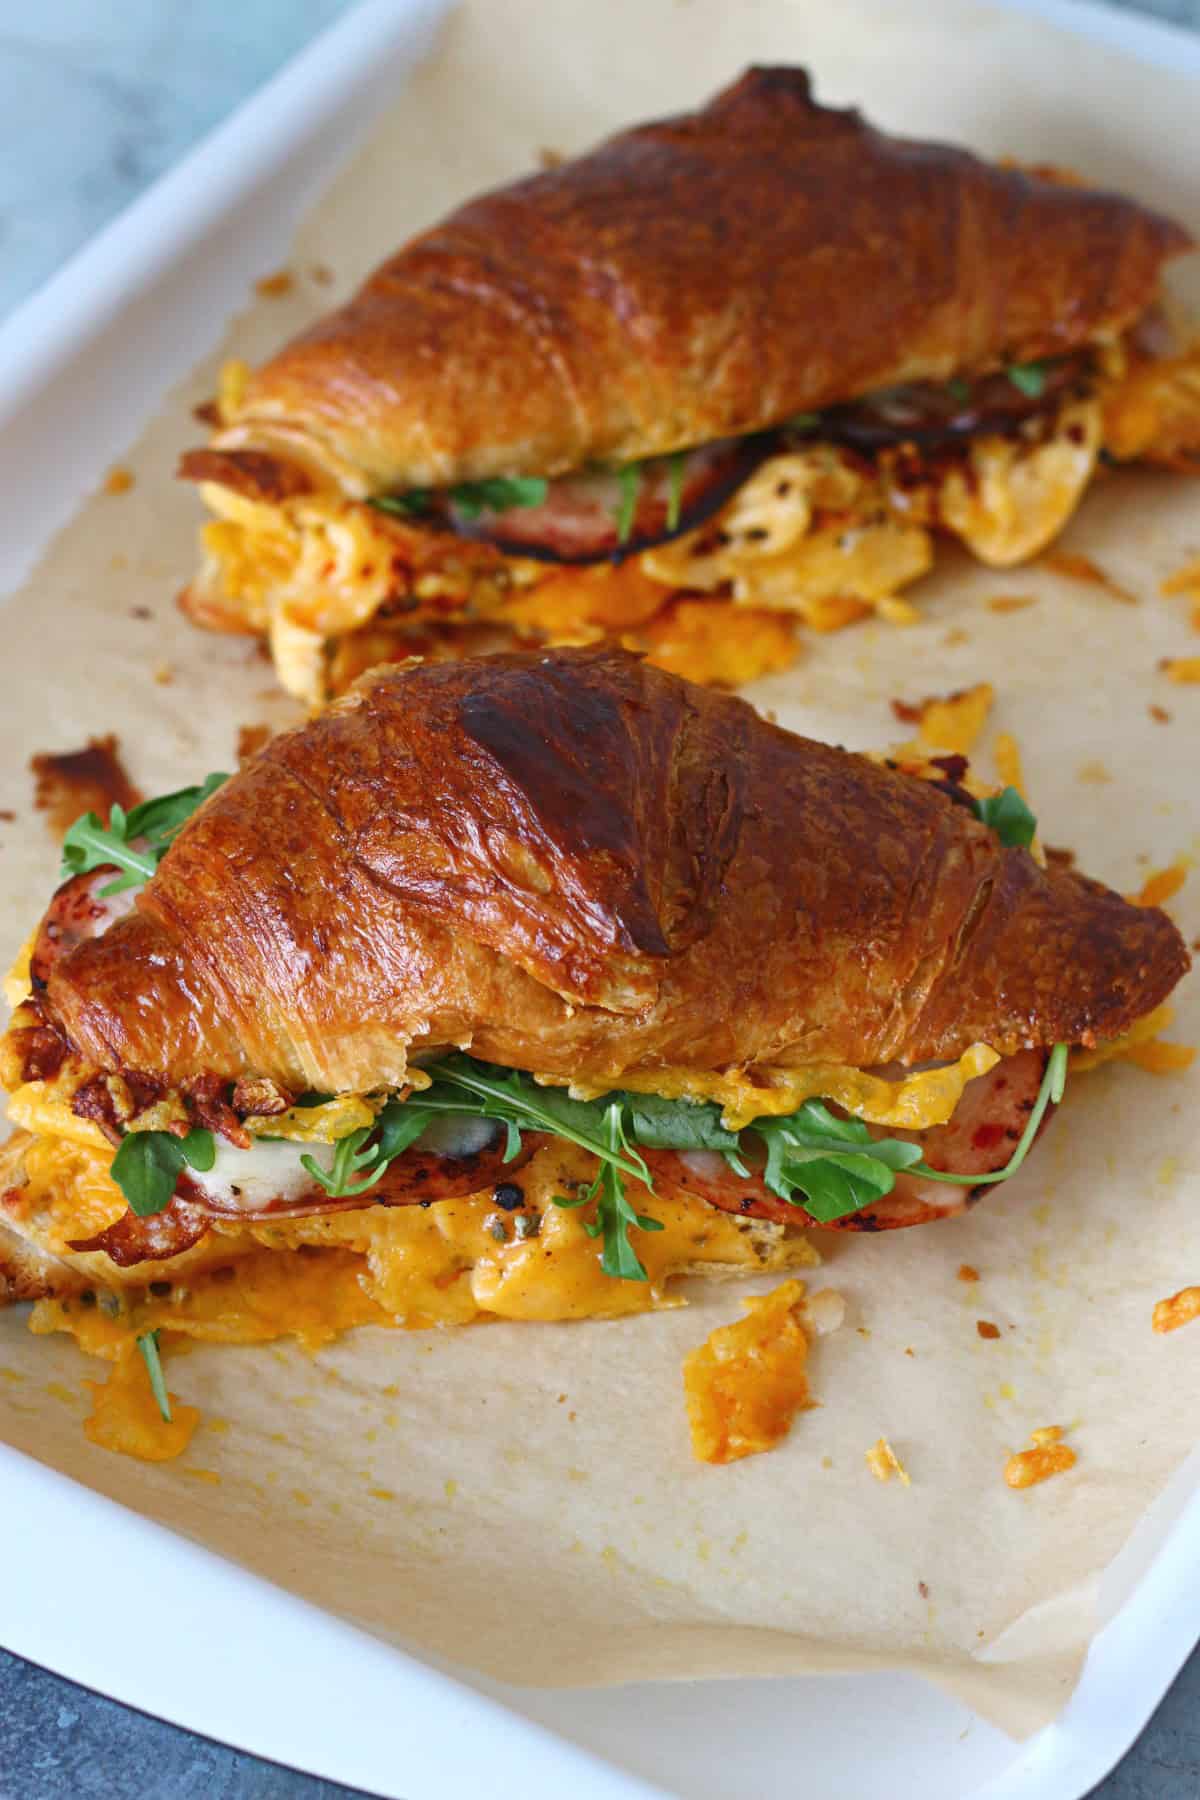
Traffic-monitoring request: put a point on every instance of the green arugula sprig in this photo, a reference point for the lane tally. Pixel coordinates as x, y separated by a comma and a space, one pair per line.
629, 480
614, 1214
676, 465
1008, 816
148, 1164
1029, 377
398, 1126
496, 493
834, 1164
135, 841
148, 1345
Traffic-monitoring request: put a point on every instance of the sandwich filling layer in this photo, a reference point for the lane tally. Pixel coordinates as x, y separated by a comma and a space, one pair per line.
704, 560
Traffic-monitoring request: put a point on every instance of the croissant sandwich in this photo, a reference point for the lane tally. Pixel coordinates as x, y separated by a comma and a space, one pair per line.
518, 987
728, 371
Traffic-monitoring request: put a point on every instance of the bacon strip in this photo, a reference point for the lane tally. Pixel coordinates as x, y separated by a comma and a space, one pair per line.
257, 474
933, 415
133, 1240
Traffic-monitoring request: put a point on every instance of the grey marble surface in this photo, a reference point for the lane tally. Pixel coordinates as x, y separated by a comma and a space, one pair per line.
95, 101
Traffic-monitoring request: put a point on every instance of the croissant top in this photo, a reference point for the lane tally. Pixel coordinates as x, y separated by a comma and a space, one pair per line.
699, 278
575, 863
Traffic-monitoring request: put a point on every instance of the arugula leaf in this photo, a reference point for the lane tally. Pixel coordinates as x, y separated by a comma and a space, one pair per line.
349, 1160
498, 493
371, 1149
812, 1126
90, 845
675, 469
515, 1098
148, 1163
834, 1163
1009, 817
630, 479
1029, 377
675, 1124
614, 1214
833, 1186
413, 505
959, 388
148, 1345
400, 1124
802, 421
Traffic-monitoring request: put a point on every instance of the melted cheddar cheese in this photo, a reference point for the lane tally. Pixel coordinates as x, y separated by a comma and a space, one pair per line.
747, 1381
1012, 498
1142, 1045
915, 1102
1153, 412
452, 1263
125, 1415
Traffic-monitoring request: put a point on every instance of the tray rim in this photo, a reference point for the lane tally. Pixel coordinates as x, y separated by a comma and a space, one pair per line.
1133, 1660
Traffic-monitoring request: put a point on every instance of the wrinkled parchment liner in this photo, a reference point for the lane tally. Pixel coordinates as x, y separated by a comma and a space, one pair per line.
522, 1498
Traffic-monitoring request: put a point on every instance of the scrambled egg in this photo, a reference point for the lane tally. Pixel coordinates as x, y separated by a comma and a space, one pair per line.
1153, 413
1011, 499
808, 527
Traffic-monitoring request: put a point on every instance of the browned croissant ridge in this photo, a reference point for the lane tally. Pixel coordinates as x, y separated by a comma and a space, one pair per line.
577, 864
694, 279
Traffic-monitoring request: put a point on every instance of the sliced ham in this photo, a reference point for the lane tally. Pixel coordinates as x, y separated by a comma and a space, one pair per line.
434, 1168
580, 519
78, 911
438, 1167
978, 1140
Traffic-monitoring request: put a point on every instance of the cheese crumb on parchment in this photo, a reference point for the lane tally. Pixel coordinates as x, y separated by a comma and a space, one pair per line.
1179, 1309
884, 1463
745, 1384
1047, 1456
1162, 885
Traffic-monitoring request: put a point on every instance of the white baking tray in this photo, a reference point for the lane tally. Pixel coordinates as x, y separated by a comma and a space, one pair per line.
176, 1631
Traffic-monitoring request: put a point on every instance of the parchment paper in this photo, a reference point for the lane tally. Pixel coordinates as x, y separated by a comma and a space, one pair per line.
522, 1498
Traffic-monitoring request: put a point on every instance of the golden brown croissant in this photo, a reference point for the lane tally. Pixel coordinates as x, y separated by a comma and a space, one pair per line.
578, 865
770, 288
567, 866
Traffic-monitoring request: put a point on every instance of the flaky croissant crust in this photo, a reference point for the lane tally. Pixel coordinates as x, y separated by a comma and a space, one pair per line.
691, 279
574, 863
